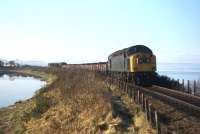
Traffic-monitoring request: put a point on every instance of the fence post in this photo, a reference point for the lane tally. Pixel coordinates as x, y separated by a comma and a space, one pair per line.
156, 121
142, 101
188, 86
133, 95
178, 84
149, 109
130, 92
124, 84
119, 82
194, 87
183, 84
138, 96
145, 107
126, 87
127, 90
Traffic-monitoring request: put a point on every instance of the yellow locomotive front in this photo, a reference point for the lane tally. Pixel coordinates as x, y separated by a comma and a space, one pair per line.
142, 62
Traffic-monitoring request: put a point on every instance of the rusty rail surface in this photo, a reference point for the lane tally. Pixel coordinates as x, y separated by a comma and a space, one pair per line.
194, 100
183, 102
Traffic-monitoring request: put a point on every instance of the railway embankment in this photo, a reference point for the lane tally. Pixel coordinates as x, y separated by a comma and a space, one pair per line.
167, 110
74, 101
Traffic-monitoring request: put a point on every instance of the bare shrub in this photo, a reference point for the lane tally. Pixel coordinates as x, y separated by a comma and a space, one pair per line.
42, 105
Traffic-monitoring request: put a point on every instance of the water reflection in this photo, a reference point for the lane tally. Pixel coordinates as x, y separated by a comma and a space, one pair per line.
15, 87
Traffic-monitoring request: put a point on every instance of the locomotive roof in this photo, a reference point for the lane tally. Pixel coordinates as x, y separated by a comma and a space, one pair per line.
132, 50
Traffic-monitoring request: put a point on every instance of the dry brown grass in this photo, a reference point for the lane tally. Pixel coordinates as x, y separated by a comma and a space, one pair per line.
81, 107
77, 102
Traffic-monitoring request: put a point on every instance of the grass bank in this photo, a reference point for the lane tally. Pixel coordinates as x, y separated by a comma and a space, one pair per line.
74, 101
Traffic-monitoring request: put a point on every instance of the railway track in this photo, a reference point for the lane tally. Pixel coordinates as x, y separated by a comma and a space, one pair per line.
180, 100
177, 111
194, 100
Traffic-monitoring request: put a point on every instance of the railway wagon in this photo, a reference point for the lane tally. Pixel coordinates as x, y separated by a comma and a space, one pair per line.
99, 66
138, 63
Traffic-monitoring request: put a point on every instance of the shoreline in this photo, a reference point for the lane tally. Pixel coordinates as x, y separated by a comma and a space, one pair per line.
48, 79
14, 116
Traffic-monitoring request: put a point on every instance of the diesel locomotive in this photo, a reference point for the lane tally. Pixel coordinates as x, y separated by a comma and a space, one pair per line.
138, 63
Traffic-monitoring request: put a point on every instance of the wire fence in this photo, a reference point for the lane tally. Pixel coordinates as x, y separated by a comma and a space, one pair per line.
139, 98
190, 86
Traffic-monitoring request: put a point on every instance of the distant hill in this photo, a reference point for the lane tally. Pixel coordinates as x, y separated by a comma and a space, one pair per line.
32, 63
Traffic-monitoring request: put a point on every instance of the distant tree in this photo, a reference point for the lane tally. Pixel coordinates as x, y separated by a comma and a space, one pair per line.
1, 63
12, 63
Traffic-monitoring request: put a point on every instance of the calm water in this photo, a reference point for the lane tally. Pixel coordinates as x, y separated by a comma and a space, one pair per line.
15, 88
180, 71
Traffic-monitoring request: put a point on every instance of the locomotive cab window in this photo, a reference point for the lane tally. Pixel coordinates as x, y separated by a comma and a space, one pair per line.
143, 61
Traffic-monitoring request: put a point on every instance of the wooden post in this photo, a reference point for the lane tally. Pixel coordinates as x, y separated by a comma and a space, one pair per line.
130, 92
122, 85
188, 86
183, 84
156, 122
111, 76
119, 83
133, 94
126, 87
138, 96
127, 90
194, 87
149, 109
178, 86
145, 107
142, 101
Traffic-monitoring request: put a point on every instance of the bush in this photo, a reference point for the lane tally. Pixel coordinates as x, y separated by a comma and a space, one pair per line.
164, 81
42, 105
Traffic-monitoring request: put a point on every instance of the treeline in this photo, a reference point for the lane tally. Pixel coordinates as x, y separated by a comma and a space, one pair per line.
11, 63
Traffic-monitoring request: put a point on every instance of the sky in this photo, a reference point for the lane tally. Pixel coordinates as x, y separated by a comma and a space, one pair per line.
79, 31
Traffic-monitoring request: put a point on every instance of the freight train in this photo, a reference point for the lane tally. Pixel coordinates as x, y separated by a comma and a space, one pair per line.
137, 63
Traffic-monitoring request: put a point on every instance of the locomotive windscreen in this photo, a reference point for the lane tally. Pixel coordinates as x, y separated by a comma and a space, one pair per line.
138, 48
